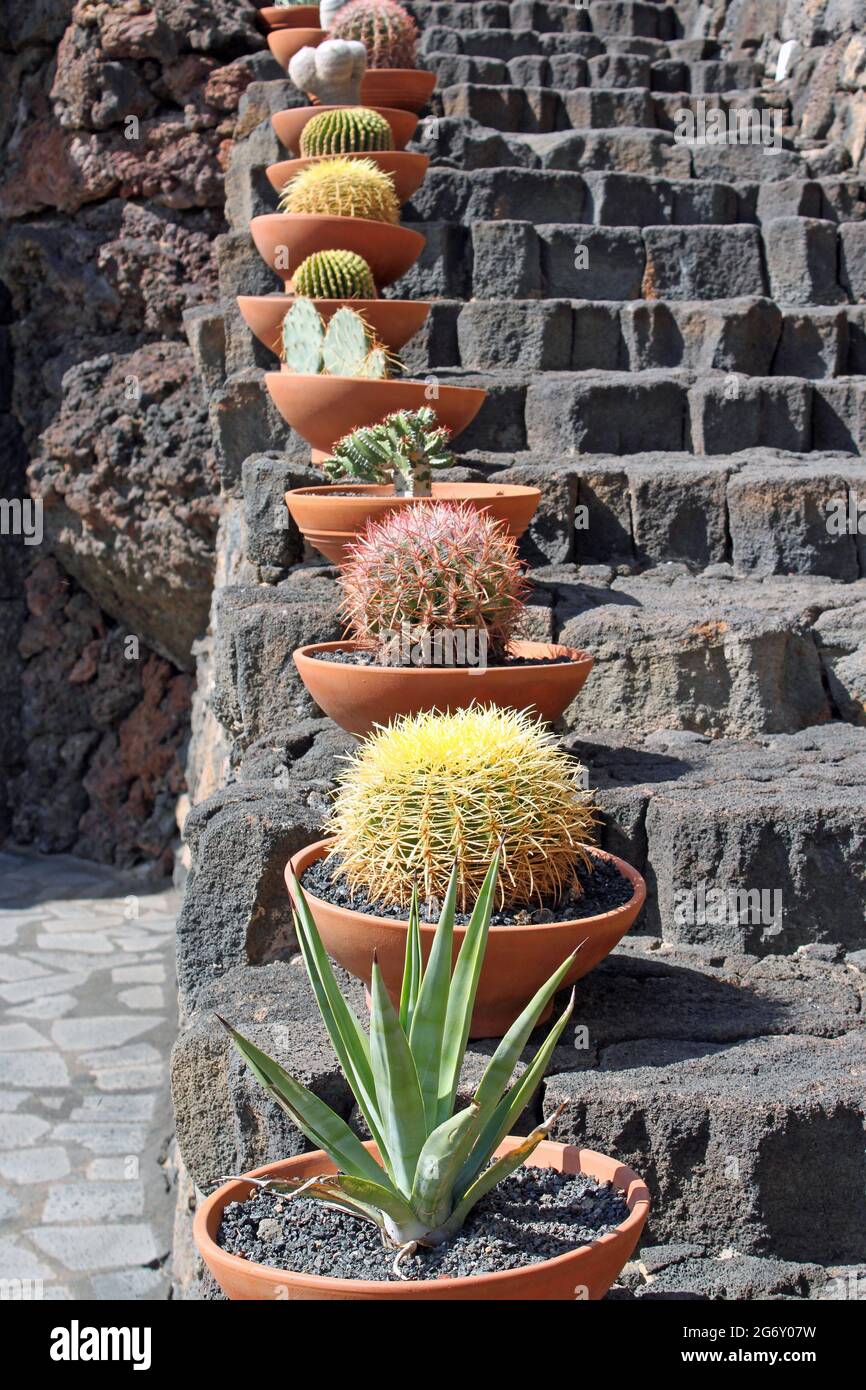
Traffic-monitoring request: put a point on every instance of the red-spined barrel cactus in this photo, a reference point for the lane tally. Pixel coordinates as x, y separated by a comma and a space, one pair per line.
432, 569
386, 30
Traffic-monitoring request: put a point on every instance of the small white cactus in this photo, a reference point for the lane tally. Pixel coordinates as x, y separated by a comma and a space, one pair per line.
332, 72
328, 11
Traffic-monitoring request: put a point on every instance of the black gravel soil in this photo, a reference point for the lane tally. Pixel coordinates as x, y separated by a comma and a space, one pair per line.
368, 658
531, 1216
603, 889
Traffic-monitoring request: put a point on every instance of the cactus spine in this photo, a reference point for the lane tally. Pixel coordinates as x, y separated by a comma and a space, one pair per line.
343, 188
386, 30
334, 275
425, 571
432, 789
351, 131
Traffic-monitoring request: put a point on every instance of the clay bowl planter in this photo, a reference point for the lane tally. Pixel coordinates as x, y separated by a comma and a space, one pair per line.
289, 124
332, 516
324, 408
407, 88
518, 960
285, 43
359, 697
586, 1272
394, 321
289, 16
407, 170
285, 239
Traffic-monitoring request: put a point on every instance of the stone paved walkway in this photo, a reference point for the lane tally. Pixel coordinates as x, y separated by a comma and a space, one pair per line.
87, 1020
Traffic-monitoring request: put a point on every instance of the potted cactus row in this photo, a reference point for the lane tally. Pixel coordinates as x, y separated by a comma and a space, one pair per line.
442, 1201
365, 50
433, 598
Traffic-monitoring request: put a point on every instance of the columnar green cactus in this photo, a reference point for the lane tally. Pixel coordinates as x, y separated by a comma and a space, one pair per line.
354, 130
385, 29
403, 447
343, 188
334, 275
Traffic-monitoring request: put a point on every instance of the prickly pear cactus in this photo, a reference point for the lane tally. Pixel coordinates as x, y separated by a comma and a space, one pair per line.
332, 72
355, 130
348, 341
334, 275
303, 338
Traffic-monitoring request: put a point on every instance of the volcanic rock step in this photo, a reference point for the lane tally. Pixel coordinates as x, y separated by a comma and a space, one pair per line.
796, 260
761, 512
571, 413
506, 191
570, 105
708, 654
721, 1080
624, 18
753, 336
465, 143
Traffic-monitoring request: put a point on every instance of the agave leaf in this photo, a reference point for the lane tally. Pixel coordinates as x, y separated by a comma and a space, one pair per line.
398, 1093
331, 1190
498, 1071
461, 997
500, 1168
412, 969
513, 1103
313, 1117
426, 1038
347, 1036
439, 1162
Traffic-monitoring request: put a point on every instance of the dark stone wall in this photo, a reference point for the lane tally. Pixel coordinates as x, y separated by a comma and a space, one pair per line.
116, 122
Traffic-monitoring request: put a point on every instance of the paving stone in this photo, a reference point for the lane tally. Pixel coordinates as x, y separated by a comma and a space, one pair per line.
144, 997
130, 1284
34, 1165
18, 1130
93, 1201
54, 1006
138, 974
15, 1037
75, 1034
92, 943
103, 1138
98, 1246
17, 1262
33, 1069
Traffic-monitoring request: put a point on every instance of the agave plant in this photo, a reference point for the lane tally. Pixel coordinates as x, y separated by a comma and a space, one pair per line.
437, 1161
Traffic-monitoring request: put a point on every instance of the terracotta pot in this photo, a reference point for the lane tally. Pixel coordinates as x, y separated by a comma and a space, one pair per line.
407, 88
289, 124
324, 408
585, 1273
285, 43
331, 516
394, 321
407, 169
289, 16
389, 251
518, 961
359, 697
